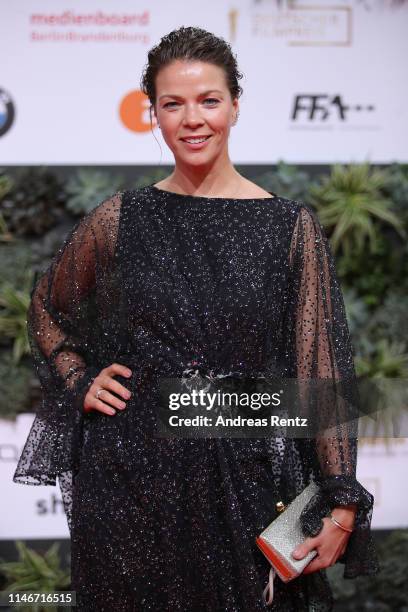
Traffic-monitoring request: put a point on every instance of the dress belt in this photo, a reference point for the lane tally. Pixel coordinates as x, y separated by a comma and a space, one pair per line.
200, 370
197, 370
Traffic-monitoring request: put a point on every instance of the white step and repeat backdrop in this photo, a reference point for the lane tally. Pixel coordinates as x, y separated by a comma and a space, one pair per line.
324, 82
30, 511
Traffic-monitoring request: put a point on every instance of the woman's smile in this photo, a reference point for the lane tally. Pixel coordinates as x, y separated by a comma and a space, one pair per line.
195, 143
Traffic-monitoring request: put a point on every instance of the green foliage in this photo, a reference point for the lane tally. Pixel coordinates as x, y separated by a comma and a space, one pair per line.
390, 320
356, 310
359, 206
350, 204
380, 337
385, 592
389, 360
6, 183
35, 572
16, 372
16, 382
16, 260
88, 188
34, 202
374, 275
396, 189
384, 402
16, 279
14, 304
382, 368
150, 178
287, 181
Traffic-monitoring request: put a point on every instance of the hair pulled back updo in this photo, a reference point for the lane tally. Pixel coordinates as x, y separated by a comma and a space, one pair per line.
190, 44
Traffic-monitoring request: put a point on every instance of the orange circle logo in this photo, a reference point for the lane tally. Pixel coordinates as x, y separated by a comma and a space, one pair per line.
134, 112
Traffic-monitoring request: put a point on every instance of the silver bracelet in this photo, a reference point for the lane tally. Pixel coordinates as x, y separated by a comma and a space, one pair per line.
333, 520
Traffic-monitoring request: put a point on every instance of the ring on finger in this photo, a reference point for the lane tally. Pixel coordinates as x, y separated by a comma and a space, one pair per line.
98, 392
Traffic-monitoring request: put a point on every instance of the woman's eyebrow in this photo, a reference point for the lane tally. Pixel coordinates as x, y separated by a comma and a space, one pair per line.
204, 93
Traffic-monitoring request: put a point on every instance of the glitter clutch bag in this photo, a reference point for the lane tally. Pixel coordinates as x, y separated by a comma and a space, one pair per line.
281, 537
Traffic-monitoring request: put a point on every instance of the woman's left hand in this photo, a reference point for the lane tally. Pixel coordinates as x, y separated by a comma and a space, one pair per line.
330, 544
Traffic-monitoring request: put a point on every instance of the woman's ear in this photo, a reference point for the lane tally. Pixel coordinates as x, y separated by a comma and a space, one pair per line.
235, 111
153, 112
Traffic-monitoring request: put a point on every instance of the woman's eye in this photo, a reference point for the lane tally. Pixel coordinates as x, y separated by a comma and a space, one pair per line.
206, 100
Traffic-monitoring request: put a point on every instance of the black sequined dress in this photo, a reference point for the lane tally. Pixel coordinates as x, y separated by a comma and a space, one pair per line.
156, 280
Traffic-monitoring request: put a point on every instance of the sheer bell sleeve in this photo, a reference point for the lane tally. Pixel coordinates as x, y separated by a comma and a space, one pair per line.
62, 326
320, 355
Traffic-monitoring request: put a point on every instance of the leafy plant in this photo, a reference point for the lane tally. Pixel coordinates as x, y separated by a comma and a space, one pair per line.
287, 181
14, 304
376, 274
381, 342
395, 188
6, 183
383, 388
390, 320
35, 572
152, 177
385, 592
390, 360
88, 188
356, 310
34, 203
18, 386
16, 263
351, 204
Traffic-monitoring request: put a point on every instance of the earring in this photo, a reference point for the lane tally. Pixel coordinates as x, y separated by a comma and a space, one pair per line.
236, 118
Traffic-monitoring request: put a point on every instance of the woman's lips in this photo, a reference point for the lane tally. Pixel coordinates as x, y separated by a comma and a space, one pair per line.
197, 145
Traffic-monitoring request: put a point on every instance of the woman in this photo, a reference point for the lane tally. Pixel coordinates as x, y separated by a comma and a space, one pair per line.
203, 270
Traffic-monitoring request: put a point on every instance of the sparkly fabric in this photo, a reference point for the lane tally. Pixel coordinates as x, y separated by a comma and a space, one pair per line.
156, 281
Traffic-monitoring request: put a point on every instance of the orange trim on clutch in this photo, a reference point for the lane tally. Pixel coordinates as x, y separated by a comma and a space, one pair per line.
273, 558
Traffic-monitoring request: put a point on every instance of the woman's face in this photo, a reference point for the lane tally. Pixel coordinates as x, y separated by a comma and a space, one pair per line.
192, 99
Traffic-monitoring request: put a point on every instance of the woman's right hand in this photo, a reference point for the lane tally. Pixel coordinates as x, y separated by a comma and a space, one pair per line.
106, 400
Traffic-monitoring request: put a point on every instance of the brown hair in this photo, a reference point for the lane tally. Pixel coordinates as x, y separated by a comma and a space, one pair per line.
195, 44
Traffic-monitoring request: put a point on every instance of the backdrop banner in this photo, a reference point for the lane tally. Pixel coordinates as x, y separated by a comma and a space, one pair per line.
37, 512
323, 82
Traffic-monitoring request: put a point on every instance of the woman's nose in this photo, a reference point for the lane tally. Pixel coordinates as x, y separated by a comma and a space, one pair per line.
192, 117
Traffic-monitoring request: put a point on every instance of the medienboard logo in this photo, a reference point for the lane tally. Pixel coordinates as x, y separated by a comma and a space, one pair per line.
7, 111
